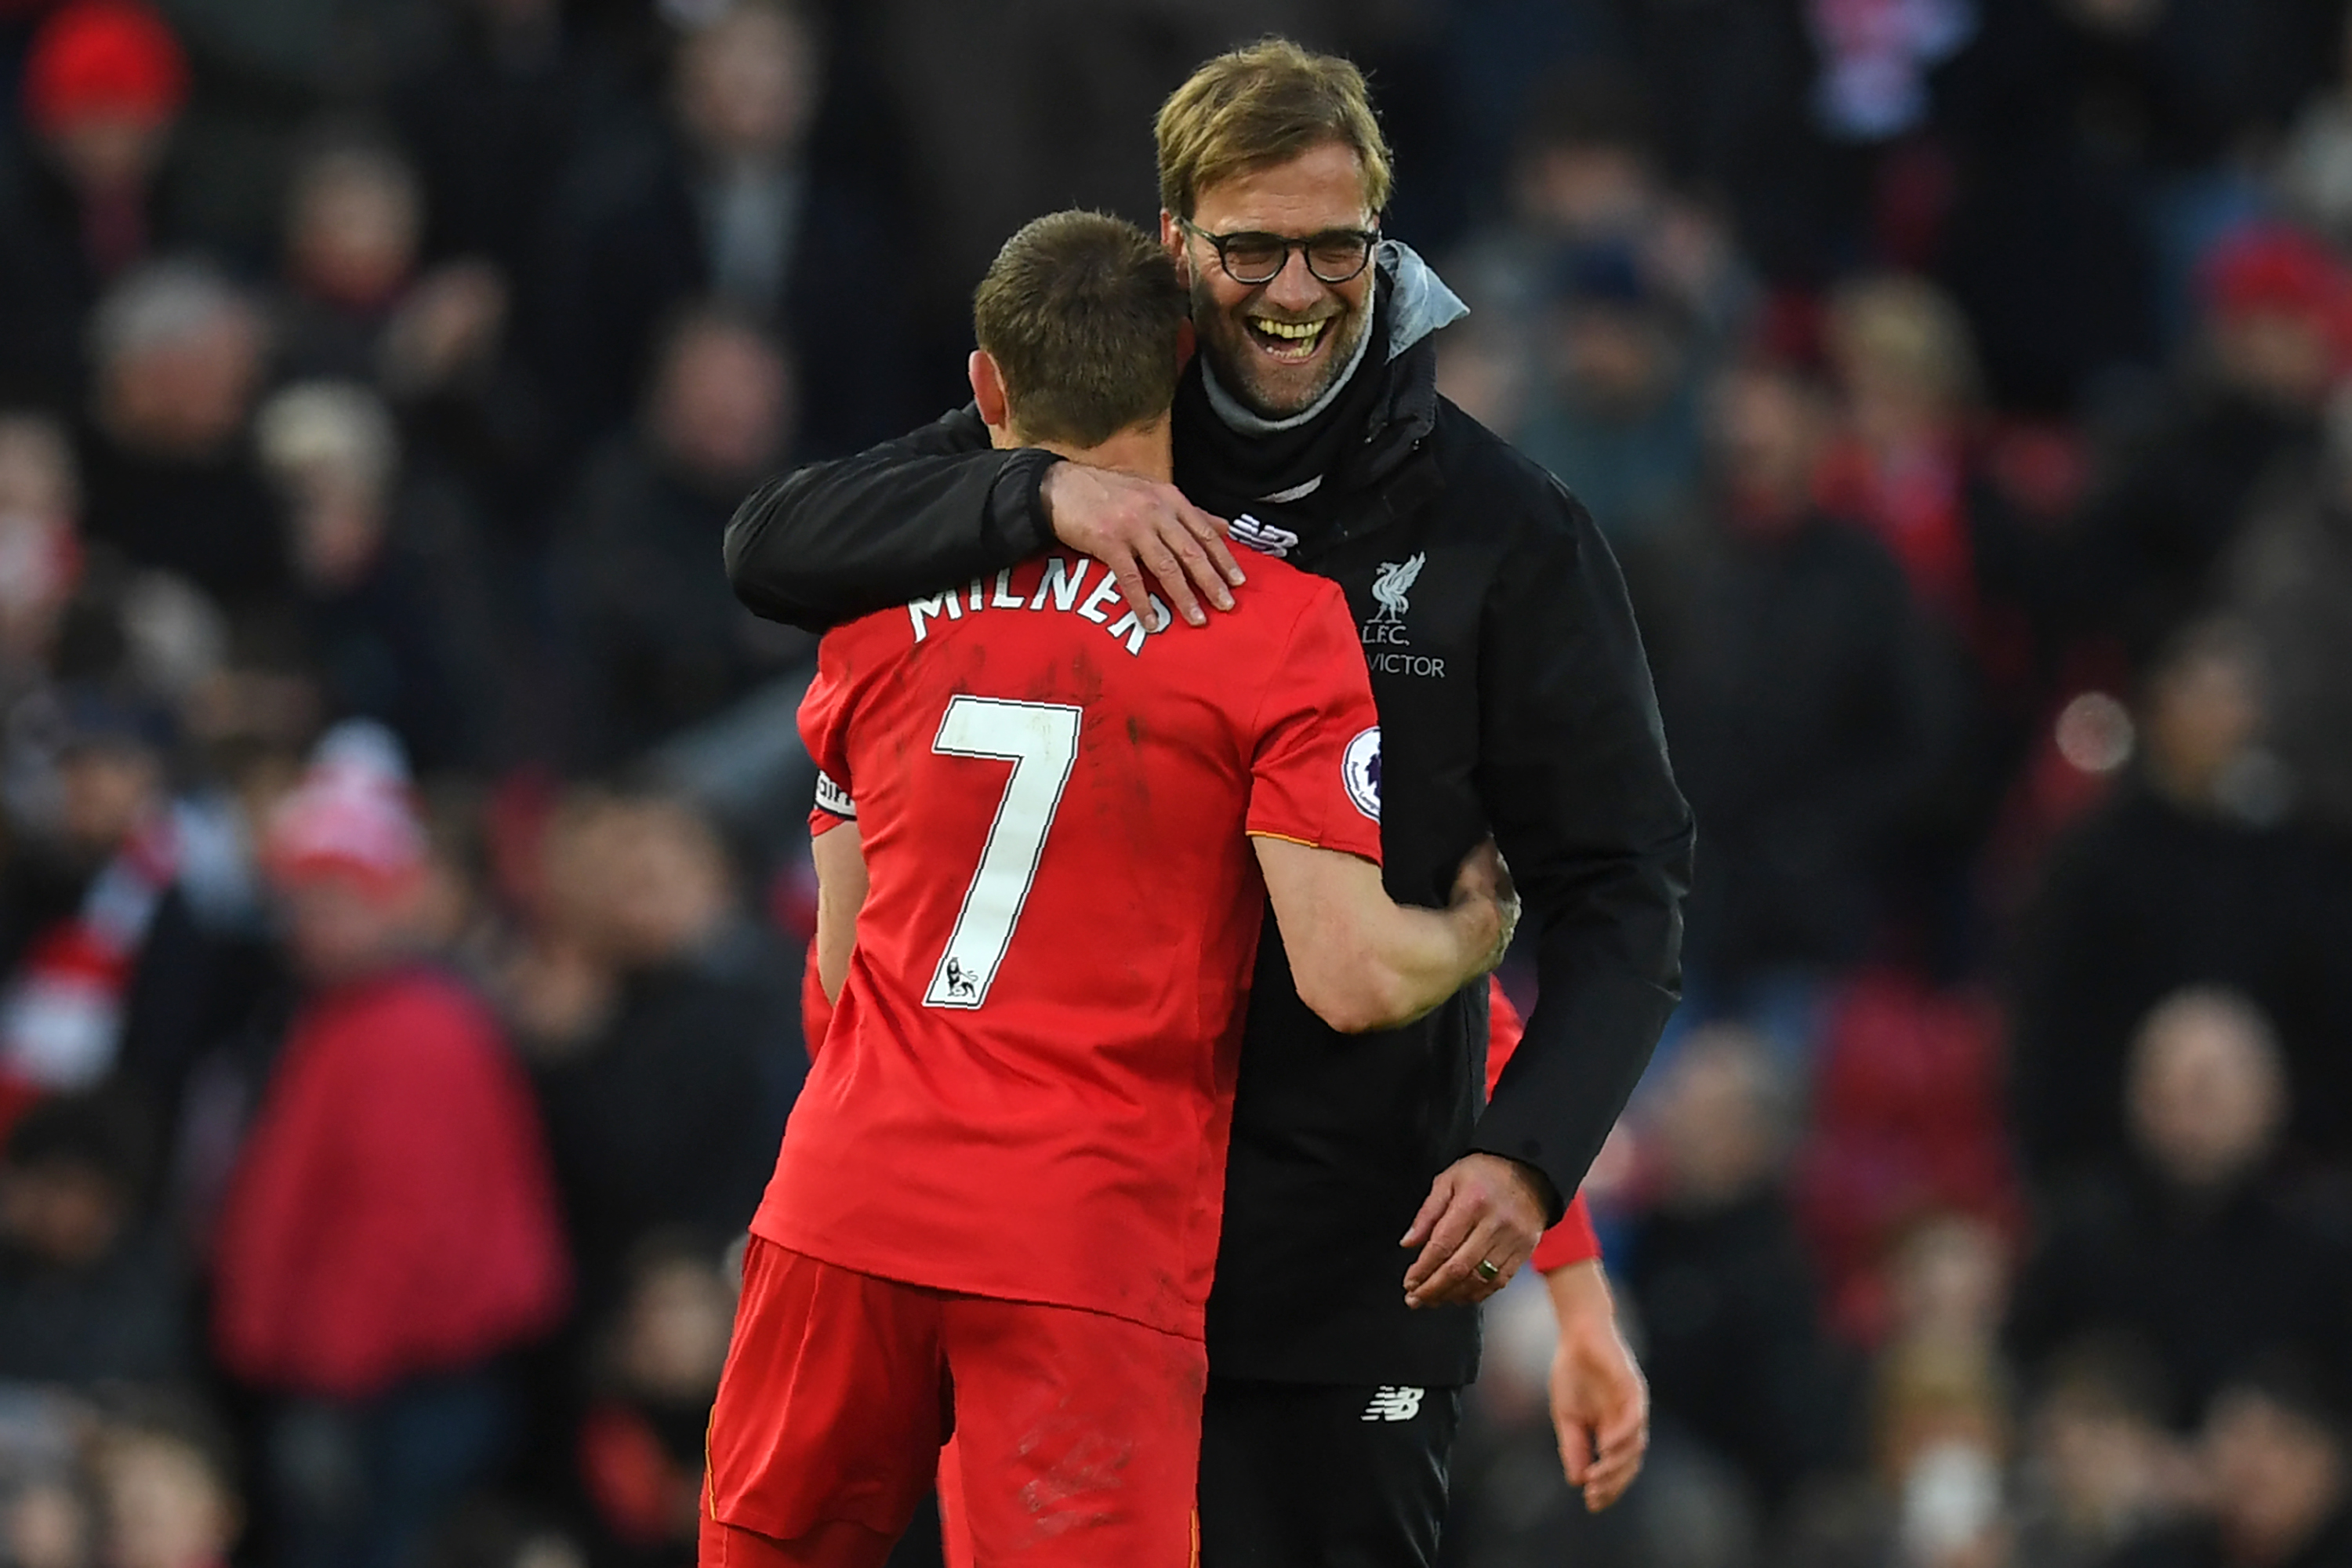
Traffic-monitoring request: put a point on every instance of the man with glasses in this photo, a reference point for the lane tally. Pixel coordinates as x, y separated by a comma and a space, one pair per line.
1513, 697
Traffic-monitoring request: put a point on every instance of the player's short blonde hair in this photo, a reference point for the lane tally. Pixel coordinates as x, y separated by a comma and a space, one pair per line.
1264, 105
1082, 312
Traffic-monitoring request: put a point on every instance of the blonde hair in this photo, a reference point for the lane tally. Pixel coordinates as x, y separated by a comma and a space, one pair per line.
1260, 106
1907, 326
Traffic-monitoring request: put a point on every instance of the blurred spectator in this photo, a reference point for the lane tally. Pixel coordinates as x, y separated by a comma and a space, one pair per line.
1615, 410
2191, 1253
395, 610
47, 1519
108, 967
2174, 486
2101, 1474
89, 1293
725, 203
641, 1446
178, 355
392, 1228
82, 202
1801, 689
40, 548
1948, 1284
354, 221
2314, 168
1908, 375
663, 644
1905, 1178
166, 1487
2280, 1469
494, 115
1602, 302
663, 1030
2289, 582
1719, 1279
2184, 877
1935, 1493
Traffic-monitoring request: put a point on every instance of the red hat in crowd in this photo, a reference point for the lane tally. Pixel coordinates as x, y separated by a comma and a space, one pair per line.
352, 816
103, 57
2276, 267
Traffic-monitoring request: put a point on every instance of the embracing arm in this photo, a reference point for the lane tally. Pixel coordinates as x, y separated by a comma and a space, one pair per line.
1575, 779
1362, 962
832, 541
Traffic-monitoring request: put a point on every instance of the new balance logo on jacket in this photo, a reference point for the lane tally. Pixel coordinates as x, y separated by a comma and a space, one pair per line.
1393, 1404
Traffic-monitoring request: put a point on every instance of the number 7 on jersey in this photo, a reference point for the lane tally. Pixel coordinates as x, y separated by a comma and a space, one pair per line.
1041, 741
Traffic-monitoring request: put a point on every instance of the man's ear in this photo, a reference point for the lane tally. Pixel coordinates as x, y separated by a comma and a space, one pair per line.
988, 390
1172, 239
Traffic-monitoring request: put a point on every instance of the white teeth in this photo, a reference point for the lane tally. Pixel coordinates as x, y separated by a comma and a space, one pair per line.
1303, 332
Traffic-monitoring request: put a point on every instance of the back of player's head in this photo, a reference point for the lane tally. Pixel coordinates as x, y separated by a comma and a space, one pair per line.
1082, 314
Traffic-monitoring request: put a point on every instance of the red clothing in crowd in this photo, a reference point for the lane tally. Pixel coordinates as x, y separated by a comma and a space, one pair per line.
393, 1212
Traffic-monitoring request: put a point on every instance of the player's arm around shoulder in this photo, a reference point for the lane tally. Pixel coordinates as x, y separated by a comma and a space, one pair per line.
1361, 961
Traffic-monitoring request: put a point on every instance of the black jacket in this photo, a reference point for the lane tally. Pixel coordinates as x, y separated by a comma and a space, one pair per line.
1514, 699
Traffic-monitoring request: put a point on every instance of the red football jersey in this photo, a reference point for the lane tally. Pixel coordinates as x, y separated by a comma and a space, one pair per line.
1027, 1086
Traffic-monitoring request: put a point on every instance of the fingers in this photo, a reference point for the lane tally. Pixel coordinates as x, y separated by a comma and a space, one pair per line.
1147, 533
1575, 1449
1624, 1442
1457, 1279
1155, 559
1440, 1193
1611, 1475
1447, 1232
1212, 533
1192, 555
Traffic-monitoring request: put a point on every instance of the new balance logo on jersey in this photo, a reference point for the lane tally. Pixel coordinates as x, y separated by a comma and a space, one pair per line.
1264, 537
1391, 1404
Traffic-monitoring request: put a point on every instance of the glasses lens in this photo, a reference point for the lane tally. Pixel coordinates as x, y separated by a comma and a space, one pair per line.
1337, 256
1255, 258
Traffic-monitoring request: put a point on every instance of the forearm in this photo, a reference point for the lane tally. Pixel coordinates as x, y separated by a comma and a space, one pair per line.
1406, 962
1361, 961
836, 540
1579, 1291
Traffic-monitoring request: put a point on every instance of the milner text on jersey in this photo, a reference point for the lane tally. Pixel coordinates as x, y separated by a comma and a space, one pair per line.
1060, 584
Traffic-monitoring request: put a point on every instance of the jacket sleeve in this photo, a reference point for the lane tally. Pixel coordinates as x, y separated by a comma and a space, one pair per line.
1573, 1239
835, 540
1573, 772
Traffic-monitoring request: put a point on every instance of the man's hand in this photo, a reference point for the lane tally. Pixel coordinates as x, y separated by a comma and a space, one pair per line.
1135, 526
1599, 1401
1484, 881
1481, 1209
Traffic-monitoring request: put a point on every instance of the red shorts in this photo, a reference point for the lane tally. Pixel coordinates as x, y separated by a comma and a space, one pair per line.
1078, 1434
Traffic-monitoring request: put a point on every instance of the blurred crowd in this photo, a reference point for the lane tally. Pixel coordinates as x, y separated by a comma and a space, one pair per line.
403, 885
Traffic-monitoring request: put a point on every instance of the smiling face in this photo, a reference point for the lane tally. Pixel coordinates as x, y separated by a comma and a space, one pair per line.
1277, 346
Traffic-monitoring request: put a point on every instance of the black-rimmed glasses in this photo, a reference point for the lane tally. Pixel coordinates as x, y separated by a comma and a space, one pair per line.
1249, 258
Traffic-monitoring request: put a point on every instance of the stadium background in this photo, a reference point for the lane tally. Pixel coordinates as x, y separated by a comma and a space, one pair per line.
1959, 381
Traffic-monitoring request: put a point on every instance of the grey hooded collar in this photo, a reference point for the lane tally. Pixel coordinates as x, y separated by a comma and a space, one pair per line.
1420, 304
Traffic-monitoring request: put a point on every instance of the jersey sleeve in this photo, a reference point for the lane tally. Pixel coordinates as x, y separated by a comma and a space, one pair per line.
1572, 1240
833, 807
1315, 762
824, 731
